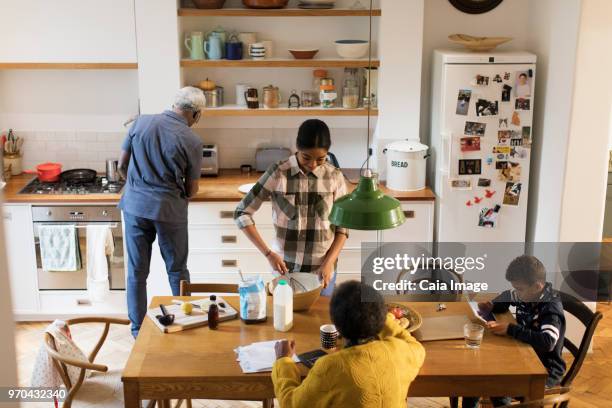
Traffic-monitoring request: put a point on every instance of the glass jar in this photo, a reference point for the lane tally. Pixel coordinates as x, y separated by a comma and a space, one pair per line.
328, 93
350, 97
318, 75
309, 98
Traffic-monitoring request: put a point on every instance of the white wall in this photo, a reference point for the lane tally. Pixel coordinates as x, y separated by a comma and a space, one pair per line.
586, 170
67, 31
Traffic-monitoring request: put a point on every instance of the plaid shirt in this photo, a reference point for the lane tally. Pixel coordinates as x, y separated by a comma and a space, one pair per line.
301, 204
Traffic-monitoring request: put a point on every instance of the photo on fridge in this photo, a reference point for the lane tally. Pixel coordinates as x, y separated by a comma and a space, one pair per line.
526, 134
488, 217
461, 184
512, 193
463, 102
511, 172
523, 85
484, 182
506, 93
469, 167
522, 104
485, 107
470, 144
475, 128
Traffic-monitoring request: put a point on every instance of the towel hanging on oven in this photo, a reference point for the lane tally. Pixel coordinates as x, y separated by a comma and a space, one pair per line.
100, 247
59, 248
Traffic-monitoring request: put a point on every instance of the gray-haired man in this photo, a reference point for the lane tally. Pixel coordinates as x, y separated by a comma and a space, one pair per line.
161, 160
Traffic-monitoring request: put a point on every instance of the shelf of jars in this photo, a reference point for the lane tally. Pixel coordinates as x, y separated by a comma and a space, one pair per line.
286, 12
236, 110
280, 63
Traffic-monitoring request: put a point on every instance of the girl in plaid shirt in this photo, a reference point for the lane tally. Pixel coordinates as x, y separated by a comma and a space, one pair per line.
302, 190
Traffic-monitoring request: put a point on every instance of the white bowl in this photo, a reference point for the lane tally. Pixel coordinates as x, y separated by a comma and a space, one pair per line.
352, 49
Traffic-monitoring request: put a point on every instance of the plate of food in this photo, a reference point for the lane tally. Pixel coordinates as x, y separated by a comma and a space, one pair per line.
407, 317
245, 188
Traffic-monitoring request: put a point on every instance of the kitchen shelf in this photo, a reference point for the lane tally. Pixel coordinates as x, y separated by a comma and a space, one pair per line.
68, 65
286, 12
235, 110
279, 63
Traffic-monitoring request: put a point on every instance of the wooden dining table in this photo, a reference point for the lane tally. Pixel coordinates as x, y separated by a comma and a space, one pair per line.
201, 363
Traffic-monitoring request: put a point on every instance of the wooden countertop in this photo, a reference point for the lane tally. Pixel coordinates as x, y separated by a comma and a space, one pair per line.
221, 188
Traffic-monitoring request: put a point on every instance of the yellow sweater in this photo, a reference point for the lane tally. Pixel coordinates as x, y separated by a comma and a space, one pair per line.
375, 374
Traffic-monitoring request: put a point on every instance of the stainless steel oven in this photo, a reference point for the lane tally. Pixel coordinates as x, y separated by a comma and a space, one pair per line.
80, 217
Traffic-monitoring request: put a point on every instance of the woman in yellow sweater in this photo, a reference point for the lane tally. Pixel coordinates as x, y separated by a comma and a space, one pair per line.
374, 369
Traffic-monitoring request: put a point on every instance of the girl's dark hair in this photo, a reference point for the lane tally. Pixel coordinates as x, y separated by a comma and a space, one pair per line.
356, 319
313, 133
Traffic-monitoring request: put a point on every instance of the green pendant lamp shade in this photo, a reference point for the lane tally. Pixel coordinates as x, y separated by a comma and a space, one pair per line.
367, 208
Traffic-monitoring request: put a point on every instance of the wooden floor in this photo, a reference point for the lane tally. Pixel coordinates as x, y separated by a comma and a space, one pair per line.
592, 388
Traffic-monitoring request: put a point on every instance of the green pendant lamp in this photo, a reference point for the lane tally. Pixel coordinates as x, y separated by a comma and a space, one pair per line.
367, 208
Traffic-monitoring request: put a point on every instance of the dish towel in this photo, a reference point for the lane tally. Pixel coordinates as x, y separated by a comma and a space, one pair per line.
99, 245
59, 248
258, 357
44, 373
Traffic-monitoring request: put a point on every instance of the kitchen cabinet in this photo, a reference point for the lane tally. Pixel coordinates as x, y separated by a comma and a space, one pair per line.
21, 258
69, 31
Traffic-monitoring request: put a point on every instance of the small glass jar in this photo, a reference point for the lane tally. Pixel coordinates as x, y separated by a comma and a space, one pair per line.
317, 76
328, 93
350, 97
309, 99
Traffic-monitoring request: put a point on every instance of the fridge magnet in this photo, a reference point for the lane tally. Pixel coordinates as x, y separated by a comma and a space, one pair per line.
506, 76
498, 79
477, 200
516, 119
475, 129
470, 144
481, 80
488, 216
526, 134
461, 184
468, 203
469, 167
489, 193
523, 85
512, 172
500, 165
484, 182
516, 141
512, 193
504, 122
503, 137
506, 93
501, 156
489, 161
518, 152
463, 101
522, 104
485, 107
501, 149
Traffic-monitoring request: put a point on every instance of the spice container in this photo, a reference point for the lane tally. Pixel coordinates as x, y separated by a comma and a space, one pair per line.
328, 93
318, 75
309, 99
350, 97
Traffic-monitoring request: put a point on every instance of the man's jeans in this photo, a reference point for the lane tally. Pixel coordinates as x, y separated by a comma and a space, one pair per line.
139, 236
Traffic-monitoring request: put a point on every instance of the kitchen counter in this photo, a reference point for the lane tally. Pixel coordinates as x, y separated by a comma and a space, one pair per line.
221, 188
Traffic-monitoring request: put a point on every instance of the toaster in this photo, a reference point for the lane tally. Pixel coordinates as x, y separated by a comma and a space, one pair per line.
210, 160
265, 157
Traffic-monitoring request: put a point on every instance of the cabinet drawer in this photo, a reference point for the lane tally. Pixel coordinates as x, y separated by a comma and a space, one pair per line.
204, 261
78, 303
349, 262
223, 214
418, 226
228, 237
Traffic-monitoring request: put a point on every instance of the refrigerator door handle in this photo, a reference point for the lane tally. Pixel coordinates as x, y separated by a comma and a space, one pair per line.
447, 138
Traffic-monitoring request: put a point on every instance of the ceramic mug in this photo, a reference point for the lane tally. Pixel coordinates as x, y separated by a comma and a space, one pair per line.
269, 46
257, 51
233, 50
195, 45
240, 94
252, 98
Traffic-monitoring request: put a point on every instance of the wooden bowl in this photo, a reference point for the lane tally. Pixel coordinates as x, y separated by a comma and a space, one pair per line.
478, 43
301, 301
209, 4
412, 315
265, 4
304, 53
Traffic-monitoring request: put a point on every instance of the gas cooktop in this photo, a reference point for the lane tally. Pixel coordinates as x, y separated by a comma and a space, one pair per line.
100, 185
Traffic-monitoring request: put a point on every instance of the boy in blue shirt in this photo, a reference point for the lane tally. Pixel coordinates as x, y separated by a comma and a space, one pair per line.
540, 321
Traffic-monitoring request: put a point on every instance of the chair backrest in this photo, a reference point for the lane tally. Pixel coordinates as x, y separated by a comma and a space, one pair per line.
61, 368
188, 288
590, 320
554, 401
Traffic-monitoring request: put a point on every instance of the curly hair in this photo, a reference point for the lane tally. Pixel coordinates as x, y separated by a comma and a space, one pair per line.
527, 269
356, 319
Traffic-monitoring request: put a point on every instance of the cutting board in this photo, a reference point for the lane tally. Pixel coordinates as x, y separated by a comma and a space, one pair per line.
198, 317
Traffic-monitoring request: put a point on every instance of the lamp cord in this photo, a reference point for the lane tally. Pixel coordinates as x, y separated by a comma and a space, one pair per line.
369, 86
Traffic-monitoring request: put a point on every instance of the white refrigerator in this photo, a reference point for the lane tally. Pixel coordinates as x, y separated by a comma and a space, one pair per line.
481, 124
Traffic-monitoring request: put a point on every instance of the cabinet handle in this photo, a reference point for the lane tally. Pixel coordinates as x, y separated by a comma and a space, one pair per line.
228, 263
409, 214
226, 214
83, 302
229, 239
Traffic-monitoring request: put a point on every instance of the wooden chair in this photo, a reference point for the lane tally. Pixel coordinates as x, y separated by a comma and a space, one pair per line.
61, 362
187, 288
590, 320
553, 401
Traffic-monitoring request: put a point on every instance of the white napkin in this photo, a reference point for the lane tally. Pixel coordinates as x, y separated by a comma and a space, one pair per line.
258, 357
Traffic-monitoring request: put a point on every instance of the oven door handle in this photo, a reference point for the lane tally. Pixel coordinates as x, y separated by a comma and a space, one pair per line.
81, 226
